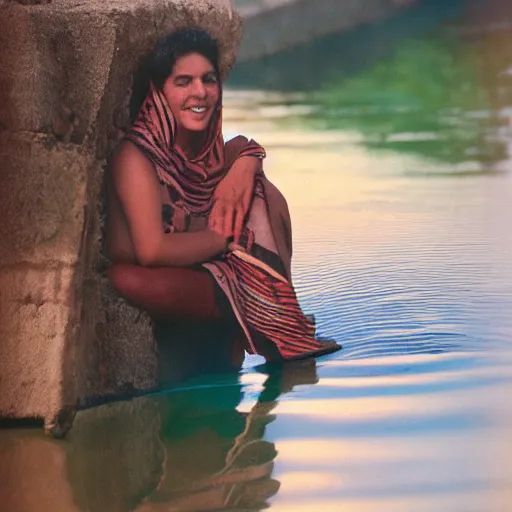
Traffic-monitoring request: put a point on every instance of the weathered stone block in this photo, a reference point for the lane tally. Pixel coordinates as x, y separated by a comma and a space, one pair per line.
43, 186
67, 80
31, 342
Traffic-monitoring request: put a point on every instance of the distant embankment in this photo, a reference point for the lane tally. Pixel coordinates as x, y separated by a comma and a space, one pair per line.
275, 25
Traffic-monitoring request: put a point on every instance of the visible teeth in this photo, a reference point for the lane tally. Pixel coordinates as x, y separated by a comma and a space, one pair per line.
198, 110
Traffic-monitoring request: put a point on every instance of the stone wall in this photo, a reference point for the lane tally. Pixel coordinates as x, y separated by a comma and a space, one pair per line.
65, 86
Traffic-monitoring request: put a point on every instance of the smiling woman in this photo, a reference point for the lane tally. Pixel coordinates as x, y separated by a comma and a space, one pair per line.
193, 93
193, 221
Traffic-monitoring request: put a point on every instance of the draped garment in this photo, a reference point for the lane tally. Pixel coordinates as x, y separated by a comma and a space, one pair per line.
253, 276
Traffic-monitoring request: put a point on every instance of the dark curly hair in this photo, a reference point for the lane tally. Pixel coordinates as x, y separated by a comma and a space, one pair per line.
178, 44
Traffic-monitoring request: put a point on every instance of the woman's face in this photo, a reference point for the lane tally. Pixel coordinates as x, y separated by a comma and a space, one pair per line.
192, 92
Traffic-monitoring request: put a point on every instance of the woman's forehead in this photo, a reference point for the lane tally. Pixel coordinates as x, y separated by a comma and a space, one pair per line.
192, 64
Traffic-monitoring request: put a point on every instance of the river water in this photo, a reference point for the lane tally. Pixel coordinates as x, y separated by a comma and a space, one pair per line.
398, 174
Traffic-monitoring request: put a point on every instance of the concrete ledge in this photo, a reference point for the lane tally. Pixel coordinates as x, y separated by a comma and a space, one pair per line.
67, 77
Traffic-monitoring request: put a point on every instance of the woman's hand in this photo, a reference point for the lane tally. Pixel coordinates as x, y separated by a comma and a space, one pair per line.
233, 197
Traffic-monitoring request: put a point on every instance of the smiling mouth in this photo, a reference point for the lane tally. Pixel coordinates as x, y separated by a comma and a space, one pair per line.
198, 110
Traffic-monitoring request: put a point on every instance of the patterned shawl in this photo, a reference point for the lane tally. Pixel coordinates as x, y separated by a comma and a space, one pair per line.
253, 276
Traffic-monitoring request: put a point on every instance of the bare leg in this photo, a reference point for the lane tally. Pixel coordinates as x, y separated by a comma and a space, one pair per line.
174, 293
167, 292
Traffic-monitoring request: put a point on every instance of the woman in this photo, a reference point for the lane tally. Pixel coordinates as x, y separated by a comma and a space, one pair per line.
193, 221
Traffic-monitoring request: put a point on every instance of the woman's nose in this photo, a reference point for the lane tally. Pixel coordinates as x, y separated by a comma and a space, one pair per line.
199, 89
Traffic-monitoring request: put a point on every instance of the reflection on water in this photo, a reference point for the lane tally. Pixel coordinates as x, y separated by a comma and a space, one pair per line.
399, 183
188, 450
397, 433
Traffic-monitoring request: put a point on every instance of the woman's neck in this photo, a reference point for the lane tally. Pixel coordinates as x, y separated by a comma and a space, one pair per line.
190, 143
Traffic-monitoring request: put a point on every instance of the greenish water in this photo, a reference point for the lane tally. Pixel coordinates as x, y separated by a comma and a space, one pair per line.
427, 100
397, 169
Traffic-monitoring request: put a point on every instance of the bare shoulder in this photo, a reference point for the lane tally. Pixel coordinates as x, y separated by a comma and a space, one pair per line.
132, 172
129, 157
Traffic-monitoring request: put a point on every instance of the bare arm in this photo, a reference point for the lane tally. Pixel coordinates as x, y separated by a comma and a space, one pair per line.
136, 185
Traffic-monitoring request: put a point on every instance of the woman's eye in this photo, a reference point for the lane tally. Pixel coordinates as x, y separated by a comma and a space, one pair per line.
210, 79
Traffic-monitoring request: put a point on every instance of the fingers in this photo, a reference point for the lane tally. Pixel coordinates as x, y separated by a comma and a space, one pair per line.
215, 220
212, 219
241, 214
238, 226
228, 219
221, 218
